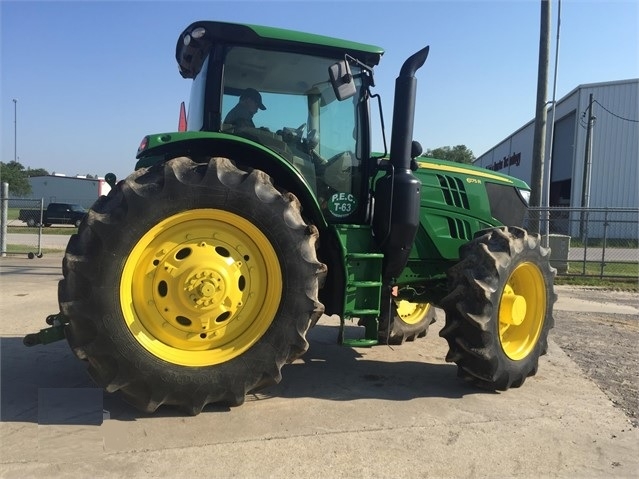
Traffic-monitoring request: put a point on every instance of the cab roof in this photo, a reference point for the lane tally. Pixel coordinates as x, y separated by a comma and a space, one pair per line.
193, 46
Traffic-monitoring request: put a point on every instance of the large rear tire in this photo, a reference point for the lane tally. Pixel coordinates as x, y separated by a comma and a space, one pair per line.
189, 284
499, 309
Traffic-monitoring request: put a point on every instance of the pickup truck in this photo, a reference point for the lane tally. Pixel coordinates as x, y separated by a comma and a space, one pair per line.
55, 213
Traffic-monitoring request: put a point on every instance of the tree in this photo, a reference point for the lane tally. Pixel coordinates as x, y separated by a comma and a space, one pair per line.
458, 154
36, 172
15, 174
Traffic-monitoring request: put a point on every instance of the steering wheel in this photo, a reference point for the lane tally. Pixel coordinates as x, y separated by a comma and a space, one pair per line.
294, 134
312, 140
328, 163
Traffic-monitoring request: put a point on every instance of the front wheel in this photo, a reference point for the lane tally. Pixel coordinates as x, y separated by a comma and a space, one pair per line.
499, 309
410, 321
189, 284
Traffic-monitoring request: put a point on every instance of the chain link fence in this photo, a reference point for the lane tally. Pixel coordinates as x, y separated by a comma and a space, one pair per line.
22, 226
597, 242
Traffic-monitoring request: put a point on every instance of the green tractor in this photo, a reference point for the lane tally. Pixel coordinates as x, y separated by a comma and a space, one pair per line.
199, 275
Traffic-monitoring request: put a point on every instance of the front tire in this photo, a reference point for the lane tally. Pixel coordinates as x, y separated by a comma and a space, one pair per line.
190, 284
410, 321
499, 309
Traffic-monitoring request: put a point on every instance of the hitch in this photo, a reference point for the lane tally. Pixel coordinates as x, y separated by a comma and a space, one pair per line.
48, 335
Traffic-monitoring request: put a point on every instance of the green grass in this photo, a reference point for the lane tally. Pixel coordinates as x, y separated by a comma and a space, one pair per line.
25, 249
622, 284
599, 242
45, 231
616, 275
610, 269
12, 213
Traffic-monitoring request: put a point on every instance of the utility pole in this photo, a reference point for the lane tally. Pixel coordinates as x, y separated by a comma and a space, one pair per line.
15, 130
585, 187
539, 141
548, 162
4, 208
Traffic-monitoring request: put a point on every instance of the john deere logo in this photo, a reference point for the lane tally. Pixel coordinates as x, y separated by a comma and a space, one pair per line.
342, 204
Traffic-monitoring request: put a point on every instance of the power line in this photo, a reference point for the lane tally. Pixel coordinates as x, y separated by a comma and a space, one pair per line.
584, 124
614, 114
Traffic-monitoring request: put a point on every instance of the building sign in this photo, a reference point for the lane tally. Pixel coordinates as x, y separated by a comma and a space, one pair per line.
513, 159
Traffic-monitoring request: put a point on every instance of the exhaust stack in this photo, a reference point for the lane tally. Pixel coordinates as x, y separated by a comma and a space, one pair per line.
397, 194
404, 109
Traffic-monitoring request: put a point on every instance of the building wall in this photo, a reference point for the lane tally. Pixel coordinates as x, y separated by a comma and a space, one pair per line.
615, 147
67, 189
513, 156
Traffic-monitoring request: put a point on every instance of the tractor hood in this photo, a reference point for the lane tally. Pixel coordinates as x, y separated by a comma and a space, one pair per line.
425, 162
470, 171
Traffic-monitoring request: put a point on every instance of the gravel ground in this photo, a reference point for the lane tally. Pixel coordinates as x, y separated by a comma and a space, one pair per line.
604, 345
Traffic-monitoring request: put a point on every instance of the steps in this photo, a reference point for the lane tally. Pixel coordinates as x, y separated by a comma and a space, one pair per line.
363, 273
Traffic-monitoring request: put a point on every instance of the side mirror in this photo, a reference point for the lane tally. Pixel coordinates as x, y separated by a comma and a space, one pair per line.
342, 80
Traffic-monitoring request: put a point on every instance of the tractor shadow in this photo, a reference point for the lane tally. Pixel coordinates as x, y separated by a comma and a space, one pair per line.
49, 385
333, 372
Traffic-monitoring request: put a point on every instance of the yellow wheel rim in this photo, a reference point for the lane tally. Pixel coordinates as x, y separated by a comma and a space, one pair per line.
200, 287
411, 313
522, 310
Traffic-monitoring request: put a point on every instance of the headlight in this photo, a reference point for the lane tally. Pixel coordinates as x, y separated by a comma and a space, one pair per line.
525, 195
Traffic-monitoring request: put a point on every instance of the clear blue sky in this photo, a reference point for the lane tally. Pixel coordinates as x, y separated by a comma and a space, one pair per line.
92, 78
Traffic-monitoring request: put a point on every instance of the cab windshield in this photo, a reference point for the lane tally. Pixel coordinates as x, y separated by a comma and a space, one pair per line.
302, 121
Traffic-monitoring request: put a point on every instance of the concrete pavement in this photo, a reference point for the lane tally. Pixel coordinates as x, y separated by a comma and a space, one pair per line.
339, 412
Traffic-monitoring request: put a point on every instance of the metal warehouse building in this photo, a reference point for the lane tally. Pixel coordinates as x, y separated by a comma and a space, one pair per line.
614, 172
68, 189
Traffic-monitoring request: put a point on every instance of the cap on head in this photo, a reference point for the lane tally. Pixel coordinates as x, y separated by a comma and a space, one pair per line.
253, 95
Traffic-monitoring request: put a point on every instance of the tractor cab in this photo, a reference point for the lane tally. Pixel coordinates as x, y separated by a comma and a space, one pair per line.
303, 122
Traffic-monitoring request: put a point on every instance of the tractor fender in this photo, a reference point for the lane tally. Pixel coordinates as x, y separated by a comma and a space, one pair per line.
200, 146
